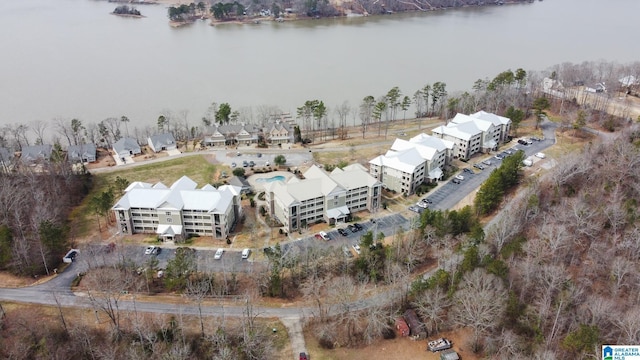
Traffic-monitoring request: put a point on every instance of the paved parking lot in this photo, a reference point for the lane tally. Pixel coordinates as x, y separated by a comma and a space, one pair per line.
449, 194
296, 158
231, 260
388, 225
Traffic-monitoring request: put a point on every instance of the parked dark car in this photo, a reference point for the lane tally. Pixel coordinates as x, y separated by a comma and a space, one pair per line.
303, 356
467, 170
522, 142
352, 228
455, 181
343, 232
358, 226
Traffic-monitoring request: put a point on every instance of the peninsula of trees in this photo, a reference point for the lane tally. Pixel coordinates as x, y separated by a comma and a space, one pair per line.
241, 10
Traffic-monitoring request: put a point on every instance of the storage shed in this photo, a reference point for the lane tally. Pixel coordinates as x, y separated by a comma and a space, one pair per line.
416, 326
402, 327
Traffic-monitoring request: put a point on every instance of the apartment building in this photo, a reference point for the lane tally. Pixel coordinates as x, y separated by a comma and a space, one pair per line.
408, 164
502, 125
472, 134
321, 196
178, 211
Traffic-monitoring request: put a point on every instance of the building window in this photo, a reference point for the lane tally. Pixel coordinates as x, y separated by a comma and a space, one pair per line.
168, 213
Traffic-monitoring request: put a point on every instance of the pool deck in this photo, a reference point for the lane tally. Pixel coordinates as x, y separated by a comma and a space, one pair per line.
259, 186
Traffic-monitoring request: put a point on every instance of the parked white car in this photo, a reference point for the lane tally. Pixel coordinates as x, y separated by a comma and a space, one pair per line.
246, 253
218, 254
324, 235
460, 177
541, 155
70, 256
150, 250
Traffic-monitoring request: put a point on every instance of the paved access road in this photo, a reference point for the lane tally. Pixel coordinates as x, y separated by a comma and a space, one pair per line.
449, 194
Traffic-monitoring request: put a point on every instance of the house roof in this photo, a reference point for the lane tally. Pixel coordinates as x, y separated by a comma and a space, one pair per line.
432, 141
139, 185
496, 120
170, 230
184, 183
406, 161
426, 152
229, 128
318, 183
280, 190
464, 131
82, 151
484, 125
126, 144
327, 185
338, 212
35, 152
240, 182
353, 177
277, 126
182, 195
162, 140
435, 173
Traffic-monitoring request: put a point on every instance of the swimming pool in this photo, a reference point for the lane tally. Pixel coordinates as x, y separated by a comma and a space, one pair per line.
271, 179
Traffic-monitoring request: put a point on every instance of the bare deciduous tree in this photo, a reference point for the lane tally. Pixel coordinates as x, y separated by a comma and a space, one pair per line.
106, 288
198, 290
479, 303
432, 305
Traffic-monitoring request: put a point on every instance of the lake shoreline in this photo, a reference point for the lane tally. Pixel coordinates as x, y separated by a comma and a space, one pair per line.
254, 20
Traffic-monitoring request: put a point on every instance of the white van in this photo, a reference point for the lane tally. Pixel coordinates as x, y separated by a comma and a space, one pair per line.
246, 253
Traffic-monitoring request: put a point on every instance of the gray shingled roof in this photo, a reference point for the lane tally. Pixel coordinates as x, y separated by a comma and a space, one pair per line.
125, 144
80, 152
36, 152
162, 140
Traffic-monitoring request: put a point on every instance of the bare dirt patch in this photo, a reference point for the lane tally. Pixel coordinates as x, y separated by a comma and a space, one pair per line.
398, 348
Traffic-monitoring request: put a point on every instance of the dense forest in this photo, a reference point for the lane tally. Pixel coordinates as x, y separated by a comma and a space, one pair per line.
34, 226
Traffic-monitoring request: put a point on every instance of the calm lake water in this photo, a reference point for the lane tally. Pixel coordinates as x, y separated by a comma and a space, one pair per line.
71, 58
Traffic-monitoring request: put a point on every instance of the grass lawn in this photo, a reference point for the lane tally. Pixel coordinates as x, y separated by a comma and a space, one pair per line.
195, 167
